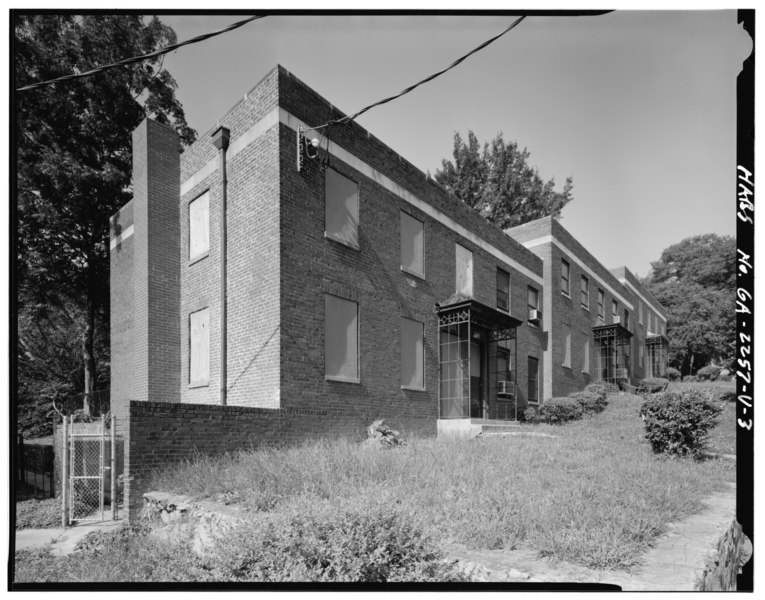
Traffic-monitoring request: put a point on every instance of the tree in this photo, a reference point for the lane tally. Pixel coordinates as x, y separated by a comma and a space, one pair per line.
73, 144
695, 280
499, 182
708, 260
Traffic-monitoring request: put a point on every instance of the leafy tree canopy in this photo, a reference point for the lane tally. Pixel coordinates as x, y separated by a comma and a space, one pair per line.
695, 280
73, 167
498, 181
708, 260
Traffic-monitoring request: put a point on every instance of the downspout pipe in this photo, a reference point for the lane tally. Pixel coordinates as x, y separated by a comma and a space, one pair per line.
220, 139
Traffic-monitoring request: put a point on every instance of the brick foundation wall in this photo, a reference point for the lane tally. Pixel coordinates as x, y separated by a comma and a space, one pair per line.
164, 433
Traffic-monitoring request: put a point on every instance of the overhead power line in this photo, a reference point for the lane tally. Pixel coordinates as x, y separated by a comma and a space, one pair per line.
135, 59
419, 83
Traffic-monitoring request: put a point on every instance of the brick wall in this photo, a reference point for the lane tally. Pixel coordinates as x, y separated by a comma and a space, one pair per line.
252, 257
163, 433
121, 278
312, 265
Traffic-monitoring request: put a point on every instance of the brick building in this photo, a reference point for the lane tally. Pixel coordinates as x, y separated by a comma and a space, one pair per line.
604, 325
342, 286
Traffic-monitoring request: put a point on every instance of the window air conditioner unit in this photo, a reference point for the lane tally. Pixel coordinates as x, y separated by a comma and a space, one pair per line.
535, 315
617, 320
505, 388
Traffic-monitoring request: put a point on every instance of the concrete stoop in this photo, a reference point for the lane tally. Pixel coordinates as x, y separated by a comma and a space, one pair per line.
701, 553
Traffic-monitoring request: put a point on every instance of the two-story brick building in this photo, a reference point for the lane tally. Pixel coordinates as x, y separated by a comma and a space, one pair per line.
266, 288
603, 324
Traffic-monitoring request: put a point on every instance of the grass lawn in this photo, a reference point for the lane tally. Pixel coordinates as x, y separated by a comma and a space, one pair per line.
595, 495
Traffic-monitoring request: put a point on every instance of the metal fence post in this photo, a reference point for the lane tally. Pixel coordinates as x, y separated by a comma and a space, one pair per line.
114, 469
64, 520
101, 468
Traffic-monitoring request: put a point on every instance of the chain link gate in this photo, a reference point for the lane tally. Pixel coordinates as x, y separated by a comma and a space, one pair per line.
88, 466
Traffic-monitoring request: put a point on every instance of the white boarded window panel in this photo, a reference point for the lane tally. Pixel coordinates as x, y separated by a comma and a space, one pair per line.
641, 354
412, 244
199, 347
464, 259
567, 337
341, 337
341, 202
412, 354
199, 226
586, 365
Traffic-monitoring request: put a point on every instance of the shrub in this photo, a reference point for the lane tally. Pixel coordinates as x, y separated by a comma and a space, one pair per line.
530, 415
652, 385
677, 422
320, 541
38, 514
560, 410
690, 378
673, 374
600, 389
708, 373
590, 401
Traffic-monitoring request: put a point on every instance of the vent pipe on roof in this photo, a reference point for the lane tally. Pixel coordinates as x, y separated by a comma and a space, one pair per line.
220, 139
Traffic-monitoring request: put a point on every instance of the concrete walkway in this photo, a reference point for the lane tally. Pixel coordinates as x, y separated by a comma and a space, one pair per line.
62, 540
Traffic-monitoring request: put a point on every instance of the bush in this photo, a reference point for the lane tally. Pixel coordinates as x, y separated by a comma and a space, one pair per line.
560, 410
652, 385
677, 422
690, 378
321, 541
38, 514
591, 402
708, 373
530, 415
600, 389
673, 374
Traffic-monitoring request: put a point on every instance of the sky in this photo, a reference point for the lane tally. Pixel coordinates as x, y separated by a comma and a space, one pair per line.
638, 106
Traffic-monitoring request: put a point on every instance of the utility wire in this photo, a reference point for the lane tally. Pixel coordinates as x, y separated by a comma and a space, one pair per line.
419, 83
135, 59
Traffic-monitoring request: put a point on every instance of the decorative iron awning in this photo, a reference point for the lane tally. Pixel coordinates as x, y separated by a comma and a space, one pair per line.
616, 332
462, 309
656, 339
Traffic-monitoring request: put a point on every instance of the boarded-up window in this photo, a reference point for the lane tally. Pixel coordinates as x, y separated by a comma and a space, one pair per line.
566, 345
341, 338
640, 349
199, 226
412, 245
464, 259
412, 354
640, 312
341, 203
199, 347
586, 363
503, 290
615, 310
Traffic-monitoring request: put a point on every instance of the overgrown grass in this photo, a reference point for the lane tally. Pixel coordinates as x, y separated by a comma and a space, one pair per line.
128, 556
596, 495
38, 514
